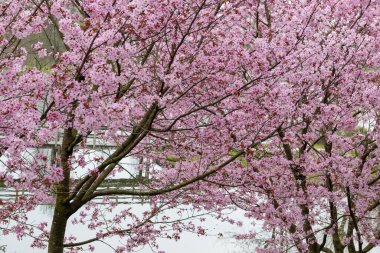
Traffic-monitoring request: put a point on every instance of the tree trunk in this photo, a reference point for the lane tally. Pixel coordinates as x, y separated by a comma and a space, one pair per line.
58, 229
58, 226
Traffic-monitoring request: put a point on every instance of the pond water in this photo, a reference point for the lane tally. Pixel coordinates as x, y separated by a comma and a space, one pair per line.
189, 242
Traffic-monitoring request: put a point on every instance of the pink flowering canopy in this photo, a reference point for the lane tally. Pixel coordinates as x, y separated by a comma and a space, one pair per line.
269, 106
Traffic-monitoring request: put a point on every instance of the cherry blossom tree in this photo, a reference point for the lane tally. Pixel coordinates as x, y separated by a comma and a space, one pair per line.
268, 106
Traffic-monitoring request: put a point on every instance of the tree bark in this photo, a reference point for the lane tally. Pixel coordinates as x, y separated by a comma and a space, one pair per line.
58, 229
61, 215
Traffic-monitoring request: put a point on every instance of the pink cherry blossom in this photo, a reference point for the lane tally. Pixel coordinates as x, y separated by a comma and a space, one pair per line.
271, 107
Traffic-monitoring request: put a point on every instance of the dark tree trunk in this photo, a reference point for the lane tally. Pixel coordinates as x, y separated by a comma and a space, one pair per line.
61, 215
58, 229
